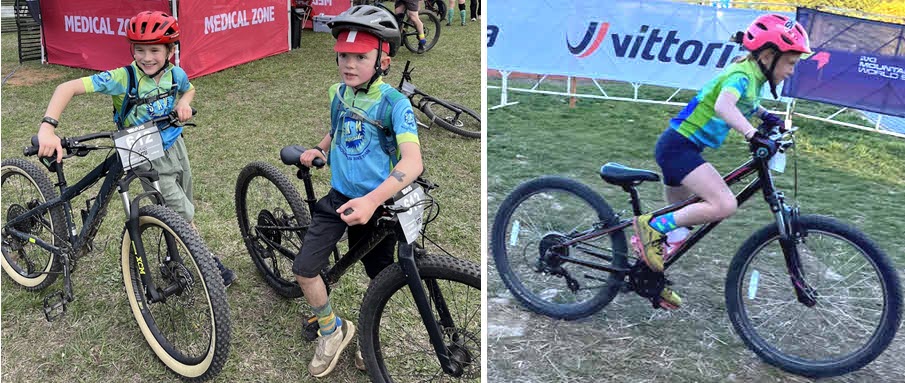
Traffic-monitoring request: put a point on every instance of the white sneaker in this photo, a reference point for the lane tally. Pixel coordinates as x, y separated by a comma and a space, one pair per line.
330, 348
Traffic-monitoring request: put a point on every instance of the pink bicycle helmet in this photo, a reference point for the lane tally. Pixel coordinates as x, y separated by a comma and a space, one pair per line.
153, 28
776, 31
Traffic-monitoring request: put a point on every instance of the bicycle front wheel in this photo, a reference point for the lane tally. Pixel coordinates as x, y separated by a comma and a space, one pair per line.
394, 342
529, 227
858, 308
189, 329
431, 25
273, 222
25, 186
455, 118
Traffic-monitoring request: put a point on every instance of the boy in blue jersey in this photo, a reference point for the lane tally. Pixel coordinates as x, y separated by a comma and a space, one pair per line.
370, 121
141, 91
776, 44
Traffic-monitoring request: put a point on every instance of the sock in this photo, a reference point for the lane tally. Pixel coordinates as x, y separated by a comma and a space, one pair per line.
326, 320
449, 15
462, 12
678, 235
663, 223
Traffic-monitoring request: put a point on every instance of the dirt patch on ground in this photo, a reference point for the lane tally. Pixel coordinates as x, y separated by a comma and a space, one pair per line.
24, 76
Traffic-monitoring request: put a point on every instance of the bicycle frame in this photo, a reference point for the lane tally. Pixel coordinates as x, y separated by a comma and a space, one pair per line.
112, 172
406, 259
785, 219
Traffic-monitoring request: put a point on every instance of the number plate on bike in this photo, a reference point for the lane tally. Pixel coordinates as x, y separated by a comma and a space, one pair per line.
412, 219
408, 88
778, 162
138, 144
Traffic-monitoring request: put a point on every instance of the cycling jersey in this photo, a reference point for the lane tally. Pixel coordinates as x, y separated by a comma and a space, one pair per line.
698, 120
358, 162
116, 83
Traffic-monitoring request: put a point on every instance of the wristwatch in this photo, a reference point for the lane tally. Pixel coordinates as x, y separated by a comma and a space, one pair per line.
50, 120
321, 150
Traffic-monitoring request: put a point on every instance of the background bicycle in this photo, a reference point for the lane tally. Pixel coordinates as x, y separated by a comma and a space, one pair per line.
173, 287
429, 19
273, 220
696, 342
449, 115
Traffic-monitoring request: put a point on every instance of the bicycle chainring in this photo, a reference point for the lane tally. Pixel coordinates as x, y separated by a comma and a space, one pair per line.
646, 282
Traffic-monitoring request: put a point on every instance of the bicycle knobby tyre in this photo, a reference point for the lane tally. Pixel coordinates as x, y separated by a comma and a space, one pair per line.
205, 358
33, 178
535, 301
268, 262
453, 276
750, 280
467, 124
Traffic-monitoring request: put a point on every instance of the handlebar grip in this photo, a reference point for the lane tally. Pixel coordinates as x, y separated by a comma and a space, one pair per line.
318, 163
33, 149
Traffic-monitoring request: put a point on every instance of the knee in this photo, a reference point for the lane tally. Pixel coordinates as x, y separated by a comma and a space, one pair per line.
726, 206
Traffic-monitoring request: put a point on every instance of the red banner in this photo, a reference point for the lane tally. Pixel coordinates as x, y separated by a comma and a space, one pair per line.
91, 33
218, 34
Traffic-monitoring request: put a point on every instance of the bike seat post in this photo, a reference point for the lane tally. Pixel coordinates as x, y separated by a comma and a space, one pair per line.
636, 201
304, 174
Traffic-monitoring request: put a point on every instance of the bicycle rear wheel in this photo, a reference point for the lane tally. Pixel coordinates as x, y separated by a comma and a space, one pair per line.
431, 26
527, 230
189, 330
394, 343
858, 308
24, 187
455, 118
273, 221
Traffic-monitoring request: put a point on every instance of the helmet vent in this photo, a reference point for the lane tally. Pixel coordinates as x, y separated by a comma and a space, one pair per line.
761, 26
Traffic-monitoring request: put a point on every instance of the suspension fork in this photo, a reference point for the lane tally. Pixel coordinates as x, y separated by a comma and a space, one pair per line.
413, 277
789, 236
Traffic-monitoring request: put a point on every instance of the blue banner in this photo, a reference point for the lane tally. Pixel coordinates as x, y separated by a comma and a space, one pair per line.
650, 42
856, 63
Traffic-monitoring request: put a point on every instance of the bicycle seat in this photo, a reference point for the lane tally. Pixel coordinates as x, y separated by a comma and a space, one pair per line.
622, 175
290, 155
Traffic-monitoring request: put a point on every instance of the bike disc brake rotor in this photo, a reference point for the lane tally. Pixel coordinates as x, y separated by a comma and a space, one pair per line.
265, 219
460, 345
175, 273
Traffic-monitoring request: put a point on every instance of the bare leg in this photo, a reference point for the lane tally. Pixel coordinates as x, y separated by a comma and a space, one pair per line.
314, 290
718, 201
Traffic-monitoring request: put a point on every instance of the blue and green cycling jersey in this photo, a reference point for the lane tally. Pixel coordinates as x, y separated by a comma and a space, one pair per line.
358, 162
698, 120
116, 82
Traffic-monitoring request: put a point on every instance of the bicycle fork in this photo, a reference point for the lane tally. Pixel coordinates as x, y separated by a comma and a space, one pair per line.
450, 365
789, 236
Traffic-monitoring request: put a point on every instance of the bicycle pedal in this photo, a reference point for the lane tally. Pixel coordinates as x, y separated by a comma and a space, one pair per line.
54, 306
309, 332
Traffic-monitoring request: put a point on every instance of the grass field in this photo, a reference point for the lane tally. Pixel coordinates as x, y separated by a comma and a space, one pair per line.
246, 113
845, 173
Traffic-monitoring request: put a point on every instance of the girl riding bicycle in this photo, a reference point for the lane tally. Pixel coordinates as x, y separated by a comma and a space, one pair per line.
776, 44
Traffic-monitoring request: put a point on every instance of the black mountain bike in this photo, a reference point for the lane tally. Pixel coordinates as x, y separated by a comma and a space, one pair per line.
429, 20
441, 290
174, 289
808, 294
449, 115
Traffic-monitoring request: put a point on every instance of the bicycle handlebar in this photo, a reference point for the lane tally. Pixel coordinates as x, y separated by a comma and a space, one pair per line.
76, 142
291, 155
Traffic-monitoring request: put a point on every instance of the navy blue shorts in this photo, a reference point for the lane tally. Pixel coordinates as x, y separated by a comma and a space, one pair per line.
677, 156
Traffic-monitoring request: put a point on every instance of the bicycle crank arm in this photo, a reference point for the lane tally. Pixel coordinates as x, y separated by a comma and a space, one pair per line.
410, 269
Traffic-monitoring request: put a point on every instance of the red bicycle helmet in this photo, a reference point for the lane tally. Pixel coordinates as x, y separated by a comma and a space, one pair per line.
778, 31
153, 27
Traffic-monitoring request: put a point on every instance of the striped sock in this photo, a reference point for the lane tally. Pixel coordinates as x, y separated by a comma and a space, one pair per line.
326, 320
663, 223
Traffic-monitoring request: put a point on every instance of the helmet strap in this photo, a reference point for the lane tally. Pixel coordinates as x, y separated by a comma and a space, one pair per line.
768, 72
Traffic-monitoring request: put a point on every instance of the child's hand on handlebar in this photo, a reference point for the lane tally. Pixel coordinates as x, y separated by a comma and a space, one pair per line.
362, 210
309, 155
183, 111
48, 143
